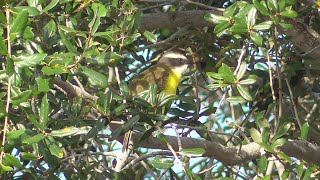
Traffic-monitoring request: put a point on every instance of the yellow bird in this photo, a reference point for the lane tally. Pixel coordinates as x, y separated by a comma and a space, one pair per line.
166, 74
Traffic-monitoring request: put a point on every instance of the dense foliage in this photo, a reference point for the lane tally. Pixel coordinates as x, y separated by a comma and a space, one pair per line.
248, 108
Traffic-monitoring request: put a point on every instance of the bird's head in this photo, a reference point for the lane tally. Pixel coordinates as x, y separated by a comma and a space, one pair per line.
177, 61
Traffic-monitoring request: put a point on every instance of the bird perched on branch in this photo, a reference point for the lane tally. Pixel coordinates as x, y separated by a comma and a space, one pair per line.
166, 74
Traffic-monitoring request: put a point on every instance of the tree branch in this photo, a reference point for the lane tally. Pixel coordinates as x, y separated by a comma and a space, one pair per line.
233, 155
302, 36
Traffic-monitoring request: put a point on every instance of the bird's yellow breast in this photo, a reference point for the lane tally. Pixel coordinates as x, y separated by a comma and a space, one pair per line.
172, 83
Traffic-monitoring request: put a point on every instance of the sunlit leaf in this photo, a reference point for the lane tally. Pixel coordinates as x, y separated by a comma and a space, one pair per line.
256, 136
150, 36
215, 18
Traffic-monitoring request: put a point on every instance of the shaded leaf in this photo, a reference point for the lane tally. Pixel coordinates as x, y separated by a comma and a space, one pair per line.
51, 5
260, 7
13, 161
29, 60
34, 139
236, 99
244, 92
192, 151
256, 38
162, 163
68, 131
95, 78
305, 131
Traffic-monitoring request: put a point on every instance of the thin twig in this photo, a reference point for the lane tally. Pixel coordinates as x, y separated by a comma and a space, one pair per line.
280, 106
6, 119
145, 166
168, 40
293, 103
146, 156
127, 142
204, 6
178, 136
158, 5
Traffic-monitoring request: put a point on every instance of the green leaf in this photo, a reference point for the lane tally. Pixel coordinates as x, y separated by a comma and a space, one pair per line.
10, 67
278, 143
56, 150
282, 131
281, 4
305, 131
192, 175
162, 163
245, 9
262, 163
67, 42
300, 170
124, 89
192, 151
22, 97
18, 24
284, 156
131, 122
286, 25
260, 7
265, 135
221, 27
12, 135
291, 2
44, 84
3, 19
34, 120
147, 134
255, 135
34, 139
28, 34
229, 11
273, 5
239, 28
3, 46
215, 18
226, 72
51, 5
214, 75
99, 9
256, 38
150, 36
236, 99
84, 130
263, 26
13, 161
44, 111
250, 80
31, 10
28, 156
242, 70
251, 18
5, 168
68, 131
29, 60
95, 78
167, 99
131, 38
289, 13
244, 92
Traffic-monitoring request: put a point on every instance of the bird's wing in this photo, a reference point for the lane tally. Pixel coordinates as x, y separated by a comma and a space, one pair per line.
156, 74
